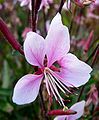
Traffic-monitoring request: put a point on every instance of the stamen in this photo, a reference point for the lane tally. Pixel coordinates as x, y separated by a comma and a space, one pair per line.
60, 79
57, 84
53, 82
64, 86
52, 90
55, 88
47, 85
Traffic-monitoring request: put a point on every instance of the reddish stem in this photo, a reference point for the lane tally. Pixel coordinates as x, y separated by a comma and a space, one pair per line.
95, 56
94, 53
88, 42
35, 8
61, 5
9, 36
32, 20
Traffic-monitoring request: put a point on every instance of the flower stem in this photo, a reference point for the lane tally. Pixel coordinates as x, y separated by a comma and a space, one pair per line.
61, 5
94, 54
44, 17
72, 19
9, 36
32, 13
43, 104
81, 92
35, 8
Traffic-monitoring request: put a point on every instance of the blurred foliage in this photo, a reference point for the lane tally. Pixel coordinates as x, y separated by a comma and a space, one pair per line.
13, 65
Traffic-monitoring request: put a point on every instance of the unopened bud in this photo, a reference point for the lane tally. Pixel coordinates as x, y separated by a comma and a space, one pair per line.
88, 42
62, 112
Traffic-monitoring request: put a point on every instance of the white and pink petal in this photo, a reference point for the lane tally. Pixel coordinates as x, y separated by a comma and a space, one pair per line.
62, 117
34, 49
27, 89
78, 107
57, 40
74, 70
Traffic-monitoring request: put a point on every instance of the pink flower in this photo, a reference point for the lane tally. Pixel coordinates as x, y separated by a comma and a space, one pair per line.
78, 107
58, 68
88, 41
81, 3
26, 30
25, 2
85, 43
46, 3
96, 2
28, 2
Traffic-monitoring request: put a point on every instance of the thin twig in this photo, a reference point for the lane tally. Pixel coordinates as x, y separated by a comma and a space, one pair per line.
43, 104
95, 56
32, 15
72, 20
35, 8
61, 5
44, 17
81, 92
94, 53
9, 36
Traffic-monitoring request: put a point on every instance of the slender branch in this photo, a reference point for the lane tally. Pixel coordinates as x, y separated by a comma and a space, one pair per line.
94, 53
32, 15
44, 17
9, 36
35, 8
95, 56
72, 19
43, 104
81, 92
61, 5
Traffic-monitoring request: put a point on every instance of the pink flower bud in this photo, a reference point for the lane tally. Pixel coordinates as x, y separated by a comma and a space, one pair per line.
26, 30
92, 96
61, 112
88, 42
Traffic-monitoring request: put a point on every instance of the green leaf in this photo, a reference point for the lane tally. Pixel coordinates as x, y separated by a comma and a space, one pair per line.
5, 92
2, 1
6, 75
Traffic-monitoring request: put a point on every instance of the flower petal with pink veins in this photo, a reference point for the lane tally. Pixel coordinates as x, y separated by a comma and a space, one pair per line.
74, 70
26, 89
57, 40
34, 49
78, 107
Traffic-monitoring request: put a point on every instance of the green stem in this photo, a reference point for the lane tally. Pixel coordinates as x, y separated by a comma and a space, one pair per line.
94, 53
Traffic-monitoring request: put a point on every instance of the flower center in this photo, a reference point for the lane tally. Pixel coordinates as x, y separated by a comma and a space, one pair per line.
53, 84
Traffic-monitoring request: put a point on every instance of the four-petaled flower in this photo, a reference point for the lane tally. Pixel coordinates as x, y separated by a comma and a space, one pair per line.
58, 68
78, 107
